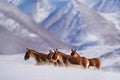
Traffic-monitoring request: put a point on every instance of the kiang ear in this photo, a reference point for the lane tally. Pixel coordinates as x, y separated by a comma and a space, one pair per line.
27, 48
72, 49
49, 50
56, 49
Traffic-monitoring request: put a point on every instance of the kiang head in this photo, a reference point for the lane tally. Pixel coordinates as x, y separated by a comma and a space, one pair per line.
55, 56
74, 53
27, 55
50, 55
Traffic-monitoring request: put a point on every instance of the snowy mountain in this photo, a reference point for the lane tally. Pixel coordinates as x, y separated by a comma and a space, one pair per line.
107, 6
111, 60
113, 17
71, 22
108, 9
77, 24
104, 6
20, 28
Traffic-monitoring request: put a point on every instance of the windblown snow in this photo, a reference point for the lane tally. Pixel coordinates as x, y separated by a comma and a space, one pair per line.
13, 67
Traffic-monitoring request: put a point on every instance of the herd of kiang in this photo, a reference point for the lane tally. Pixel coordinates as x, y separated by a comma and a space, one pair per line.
59, 58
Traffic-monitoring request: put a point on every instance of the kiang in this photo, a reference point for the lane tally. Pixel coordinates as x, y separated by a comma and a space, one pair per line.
58, 58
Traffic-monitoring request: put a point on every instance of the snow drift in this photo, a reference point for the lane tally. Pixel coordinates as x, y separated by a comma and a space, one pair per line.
14, 68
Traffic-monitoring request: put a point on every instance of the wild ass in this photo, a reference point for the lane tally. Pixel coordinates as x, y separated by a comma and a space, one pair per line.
65, 60
93, 62
83, 60
40, 58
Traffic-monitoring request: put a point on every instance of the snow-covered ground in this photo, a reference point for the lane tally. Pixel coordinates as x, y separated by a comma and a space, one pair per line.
13, 67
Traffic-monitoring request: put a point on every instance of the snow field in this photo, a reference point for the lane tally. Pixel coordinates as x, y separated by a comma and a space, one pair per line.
13, 67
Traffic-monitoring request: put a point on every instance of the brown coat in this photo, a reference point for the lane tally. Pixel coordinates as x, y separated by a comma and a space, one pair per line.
65, 60
40, 58
93, 62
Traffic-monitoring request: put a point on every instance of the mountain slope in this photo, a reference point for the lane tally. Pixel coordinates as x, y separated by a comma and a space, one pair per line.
77, 24
20, 25
72, 21
111, 60
103, 6
107, 6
